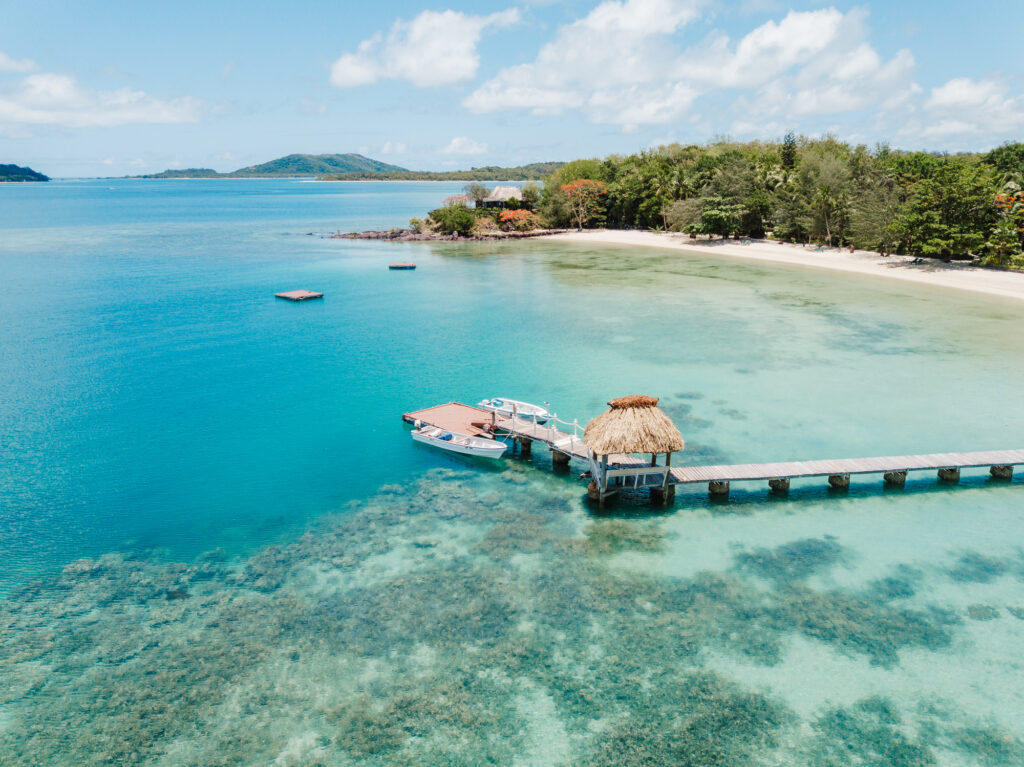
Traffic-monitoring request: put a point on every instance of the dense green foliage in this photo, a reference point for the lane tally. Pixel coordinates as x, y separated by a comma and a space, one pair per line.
532, 172
452, 219
814, 191
19, 173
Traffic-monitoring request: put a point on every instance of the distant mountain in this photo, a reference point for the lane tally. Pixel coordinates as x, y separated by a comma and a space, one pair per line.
316, 165
291, 166
18, 173
187, 173
533, 172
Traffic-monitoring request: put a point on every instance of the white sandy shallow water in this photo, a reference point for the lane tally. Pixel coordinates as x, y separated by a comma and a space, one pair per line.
932, 272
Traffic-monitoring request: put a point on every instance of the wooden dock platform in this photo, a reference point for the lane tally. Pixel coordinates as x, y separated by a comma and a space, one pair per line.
298, 295
453, 416
629, 471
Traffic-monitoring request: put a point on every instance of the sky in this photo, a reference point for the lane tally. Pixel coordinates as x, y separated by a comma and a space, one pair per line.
120, 87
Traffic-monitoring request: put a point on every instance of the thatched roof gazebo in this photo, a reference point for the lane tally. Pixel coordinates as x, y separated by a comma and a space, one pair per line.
501, 196
632, 425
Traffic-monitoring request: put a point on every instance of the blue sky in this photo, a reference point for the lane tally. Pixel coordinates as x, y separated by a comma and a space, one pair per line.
114, 88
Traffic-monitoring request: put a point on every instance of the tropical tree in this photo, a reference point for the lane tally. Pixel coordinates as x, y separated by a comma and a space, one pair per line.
531, 196
788, 151
951, 213
584, 197
453, 219
476, 192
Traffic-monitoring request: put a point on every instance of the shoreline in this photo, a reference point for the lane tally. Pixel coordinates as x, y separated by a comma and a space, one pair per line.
411, 235
958, 276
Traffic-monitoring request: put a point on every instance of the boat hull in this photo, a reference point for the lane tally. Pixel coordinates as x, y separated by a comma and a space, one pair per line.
524, 411
462, 444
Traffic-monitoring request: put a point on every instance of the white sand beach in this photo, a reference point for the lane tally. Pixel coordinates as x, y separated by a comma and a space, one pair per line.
929, 272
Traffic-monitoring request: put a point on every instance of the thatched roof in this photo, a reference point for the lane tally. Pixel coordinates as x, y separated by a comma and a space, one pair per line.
504, 194
633, 425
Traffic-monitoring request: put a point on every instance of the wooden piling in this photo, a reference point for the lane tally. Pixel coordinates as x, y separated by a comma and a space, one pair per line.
1001, 472
663, 496
718, 490
895, 478
951, 476
780, 485
839, 481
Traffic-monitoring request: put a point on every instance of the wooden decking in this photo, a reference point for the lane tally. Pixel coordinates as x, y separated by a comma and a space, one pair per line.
886, 464
628, 471
452, 416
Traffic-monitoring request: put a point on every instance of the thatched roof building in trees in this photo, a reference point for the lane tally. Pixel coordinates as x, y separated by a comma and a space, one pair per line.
632, 425
502, 196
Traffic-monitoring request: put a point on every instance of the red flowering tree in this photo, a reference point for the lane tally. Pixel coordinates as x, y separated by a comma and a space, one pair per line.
584, 196
520, 220
1007, 238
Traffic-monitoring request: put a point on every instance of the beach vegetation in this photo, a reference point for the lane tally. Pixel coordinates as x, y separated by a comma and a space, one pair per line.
813, 191
454, 217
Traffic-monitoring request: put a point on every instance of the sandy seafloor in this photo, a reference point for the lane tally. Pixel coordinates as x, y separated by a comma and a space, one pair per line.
188, 580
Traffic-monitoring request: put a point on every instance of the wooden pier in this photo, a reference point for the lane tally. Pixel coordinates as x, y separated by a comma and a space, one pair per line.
619, 471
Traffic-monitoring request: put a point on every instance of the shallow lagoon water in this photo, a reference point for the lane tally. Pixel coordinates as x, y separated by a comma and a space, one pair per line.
220, 546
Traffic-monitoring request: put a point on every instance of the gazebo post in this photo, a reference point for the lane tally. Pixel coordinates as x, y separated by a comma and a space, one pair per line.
665, 494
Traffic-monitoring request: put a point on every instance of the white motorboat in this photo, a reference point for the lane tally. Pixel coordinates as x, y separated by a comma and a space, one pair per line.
523, 410
459, 443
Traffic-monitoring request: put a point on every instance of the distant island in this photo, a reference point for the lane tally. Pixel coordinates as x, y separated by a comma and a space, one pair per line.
356, 167
18, 173
536, 171
294, 165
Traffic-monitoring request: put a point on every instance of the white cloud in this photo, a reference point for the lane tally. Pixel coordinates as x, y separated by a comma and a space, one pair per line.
393, 147
601, 64
8, 64
964, 93
461, 145
46, 99
968, 108
435, 48
623, 64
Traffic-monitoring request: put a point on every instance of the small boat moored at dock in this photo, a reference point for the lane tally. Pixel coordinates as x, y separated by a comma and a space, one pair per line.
509, 407
459, 443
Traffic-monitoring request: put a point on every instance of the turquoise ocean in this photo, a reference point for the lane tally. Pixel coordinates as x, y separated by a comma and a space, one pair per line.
219, 545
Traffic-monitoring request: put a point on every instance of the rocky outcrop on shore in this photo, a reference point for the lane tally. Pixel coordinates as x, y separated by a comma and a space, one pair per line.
411, 235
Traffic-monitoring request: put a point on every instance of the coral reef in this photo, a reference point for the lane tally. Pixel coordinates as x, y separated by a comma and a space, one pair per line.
471, 618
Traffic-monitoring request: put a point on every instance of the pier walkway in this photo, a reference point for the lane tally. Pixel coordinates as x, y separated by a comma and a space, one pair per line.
615, 472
